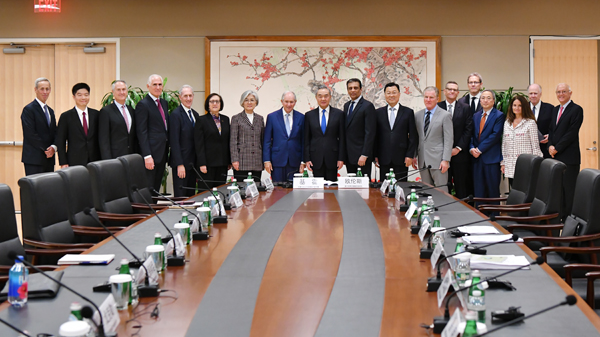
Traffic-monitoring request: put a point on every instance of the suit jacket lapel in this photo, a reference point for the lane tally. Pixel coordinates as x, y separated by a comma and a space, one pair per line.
433, 119
39, 110
565, 112
281, 120
356, 108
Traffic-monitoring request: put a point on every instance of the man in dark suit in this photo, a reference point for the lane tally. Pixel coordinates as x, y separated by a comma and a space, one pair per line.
284, 140
152, 123
563, 141
79, 128
181, 137
211, 136
475, 82
39, 131
116, 125
360, 129
324, 137
486, 147
396, 138
543, 115
460, 173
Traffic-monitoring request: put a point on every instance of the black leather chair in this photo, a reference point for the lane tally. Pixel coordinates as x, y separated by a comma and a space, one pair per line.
544, 207
9, 237
110, 190
523, 188
135, 170
79, 194
44, 215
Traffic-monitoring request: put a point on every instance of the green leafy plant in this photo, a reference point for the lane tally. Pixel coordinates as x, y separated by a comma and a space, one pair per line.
135, 95
503, 98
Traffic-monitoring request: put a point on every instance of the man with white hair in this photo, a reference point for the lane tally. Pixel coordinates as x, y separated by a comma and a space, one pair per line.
181, 138
284, 140
152, 122
543, 115
563, 141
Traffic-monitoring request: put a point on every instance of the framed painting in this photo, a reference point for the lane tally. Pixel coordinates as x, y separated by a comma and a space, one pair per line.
272, 65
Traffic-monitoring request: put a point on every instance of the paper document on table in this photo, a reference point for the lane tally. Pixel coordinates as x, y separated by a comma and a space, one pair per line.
478, 230
498, 262
86, 259
483, 239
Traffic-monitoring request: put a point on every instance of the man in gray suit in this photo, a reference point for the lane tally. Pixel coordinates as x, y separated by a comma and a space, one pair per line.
434, 126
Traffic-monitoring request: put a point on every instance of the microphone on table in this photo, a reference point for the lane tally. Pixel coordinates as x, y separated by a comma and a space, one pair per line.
173, 260
570, 300
221, 218
414, 229
439, 323
393, 194
434, 283
146, 290
12, 255
196, 236
426, 252
260, 188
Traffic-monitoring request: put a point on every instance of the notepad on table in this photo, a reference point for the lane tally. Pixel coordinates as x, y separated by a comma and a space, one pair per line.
86, 259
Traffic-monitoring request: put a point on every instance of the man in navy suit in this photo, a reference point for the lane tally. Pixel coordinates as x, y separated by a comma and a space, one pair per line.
116, 125
360, 129
284, 140
543, 115
475, 82
397, 139
181, 137
39, 131
486, 147
324, 137
459, 174
78, 128
152, 123
563, 141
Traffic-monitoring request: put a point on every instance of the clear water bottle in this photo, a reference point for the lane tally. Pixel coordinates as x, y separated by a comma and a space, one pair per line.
430, 204
18, 276
463, 268
438, 239
425, 216
477, 304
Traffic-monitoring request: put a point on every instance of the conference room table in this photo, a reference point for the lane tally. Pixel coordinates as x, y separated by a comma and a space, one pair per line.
332, 262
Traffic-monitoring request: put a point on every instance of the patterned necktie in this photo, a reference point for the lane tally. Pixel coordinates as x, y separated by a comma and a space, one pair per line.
191, 118
427, 119
217, 122
392, 117
47, 114
560, 113
451, 109
323, 122
287, 124
162, 112
350, 110
85, 126
126, 119
482, 124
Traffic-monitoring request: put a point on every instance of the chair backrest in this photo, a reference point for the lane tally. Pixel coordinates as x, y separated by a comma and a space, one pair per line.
109, 186
135, 170
548, 192
79, 194
9, 236
585, 213
524, 185
44, 212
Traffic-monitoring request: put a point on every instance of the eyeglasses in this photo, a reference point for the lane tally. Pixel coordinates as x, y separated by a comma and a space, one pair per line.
473, 83
562, 92
214, 102
451, 89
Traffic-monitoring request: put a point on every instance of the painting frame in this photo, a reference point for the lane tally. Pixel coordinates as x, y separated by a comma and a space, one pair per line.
213, 43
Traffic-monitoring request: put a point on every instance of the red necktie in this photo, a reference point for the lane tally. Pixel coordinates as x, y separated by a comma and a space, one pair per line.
162, 112
125, 117
560, 113
85, 126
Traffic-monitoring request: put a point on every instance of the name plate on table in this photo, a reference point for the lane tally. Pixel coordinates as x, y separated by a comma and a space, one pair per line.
314, 183
353, 182
268, 183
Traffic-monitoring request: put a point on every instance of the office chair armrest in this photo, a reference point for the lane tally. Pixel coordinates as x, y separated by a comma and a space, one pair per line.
563, 239
137, 206
44, 252
120, 217
502, 208
99, 229
590, 296
489, 199
511, 228
53, 245
527, 218
159, 198
570, 250
572, 267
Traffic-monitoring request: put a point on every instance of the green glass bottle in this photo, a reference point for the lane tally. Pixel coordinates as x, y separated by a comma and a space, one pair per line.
459, 245
249, 175
184, 217
471, 327
414, 200
234, 182
436, 222
158, 239
124, 270
75, 312
305, 173
359, 173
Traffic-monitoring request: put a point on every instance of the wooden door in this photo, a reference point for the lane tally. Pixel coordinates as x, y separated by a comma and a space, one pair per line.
575, 62
19, 72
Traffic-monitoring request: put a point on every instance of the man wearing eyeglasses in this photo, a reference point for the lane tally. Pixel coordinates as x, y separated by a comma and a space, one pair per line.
563, 141
475, 83
460, 173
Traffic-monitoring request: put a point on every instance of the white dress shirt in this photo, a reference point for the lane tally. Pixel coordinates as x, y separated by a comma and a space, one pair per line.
537, 109
250, 117
87, 116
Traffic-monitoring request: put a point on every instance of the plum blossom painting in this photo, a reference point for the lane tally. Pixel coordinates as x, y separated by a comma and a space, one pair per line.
271, 67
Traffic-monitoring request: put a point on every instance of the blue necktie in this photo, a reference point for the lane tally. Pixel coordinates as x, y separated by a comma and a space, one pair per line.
47, 114
350, 110
392, 118
323, 122
191, 118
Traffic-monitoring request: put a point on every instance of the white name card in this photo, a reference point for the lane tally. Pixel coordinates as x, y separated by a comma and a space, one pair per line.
451, 329
110, 315
443, 289
353, 182
314, 183
384, 186
236, 200
251, 190
268, 183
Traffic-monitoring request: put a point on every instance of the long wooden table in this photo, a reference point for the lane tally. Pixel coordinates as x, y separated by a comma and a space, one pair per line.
297, 282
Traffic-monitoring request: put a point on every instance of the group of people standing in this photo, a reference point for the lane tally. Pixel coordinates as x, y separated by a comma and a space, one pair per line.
466, 142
